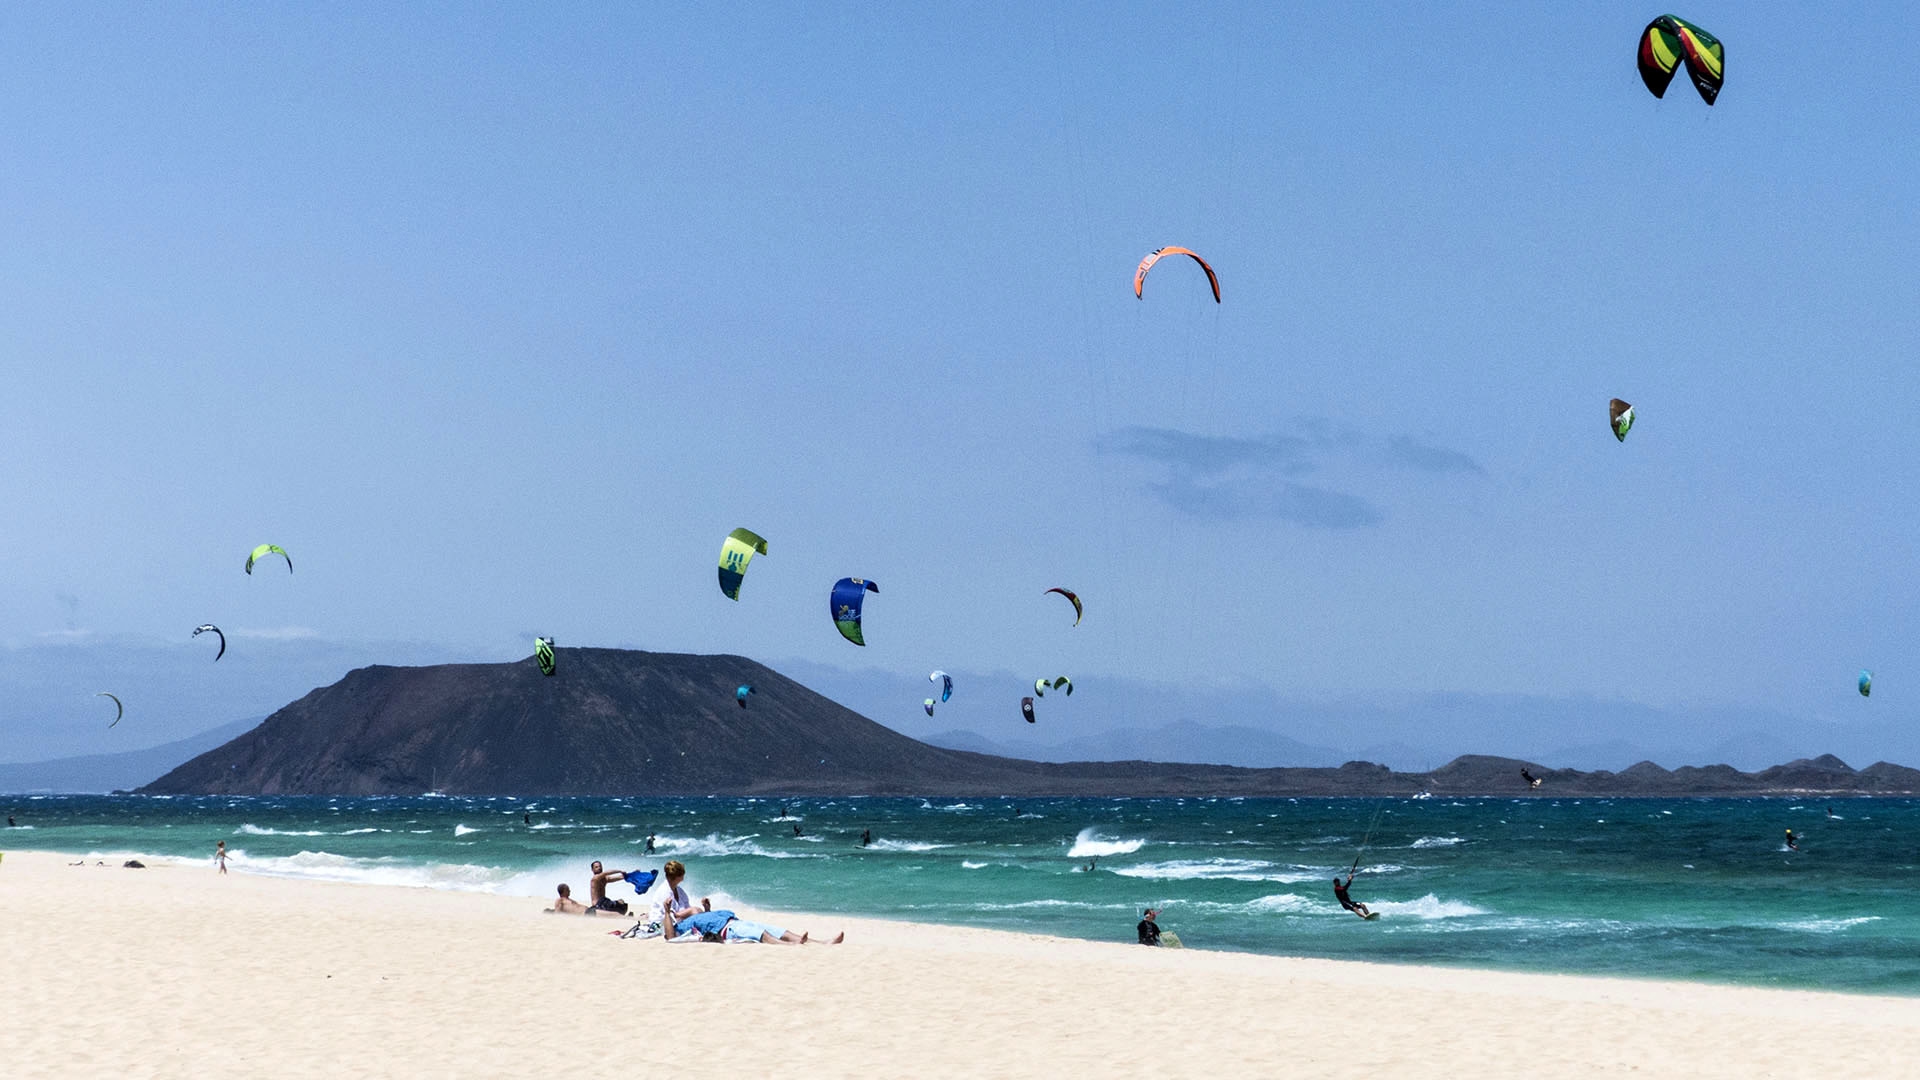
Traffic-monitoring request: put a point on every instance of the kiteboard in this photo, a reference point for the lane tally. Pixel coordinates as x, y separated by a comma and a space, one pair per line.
1372, 916
1170, 940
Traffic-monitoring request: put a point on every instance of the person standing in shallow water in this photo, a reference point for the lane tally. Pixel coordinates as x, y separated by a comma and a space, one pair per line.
220, 855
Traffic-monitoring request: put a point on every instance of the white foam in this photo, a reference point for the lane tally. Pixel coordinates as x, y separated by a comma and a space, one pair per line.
1426, 907
1437, 841
713, 845
462, 830
902, 845
466, 877
255, 830
967, 864
1828, 926
1089, 845
1212, 869
1280, 902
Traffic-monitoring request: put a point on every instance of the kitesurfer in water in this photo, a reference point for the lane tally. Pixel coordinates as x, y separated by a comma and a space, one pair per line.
1793, 843
1532, 780
1348, 902
866, 837
796, 830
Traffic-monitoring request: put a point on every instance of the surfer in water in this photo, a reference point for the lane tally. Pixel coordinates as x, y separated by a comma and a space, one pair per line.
866, 837
1348, 902
1793, 842
1533, 782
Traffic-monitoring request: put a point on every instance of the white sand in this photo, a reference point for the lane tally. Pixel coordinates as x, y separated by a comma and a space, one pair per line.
174, 971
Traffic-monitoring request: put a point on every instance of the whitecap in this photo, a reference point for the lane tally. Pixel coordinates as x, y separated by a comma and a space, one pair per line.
1089, 844
462, 830
255, 830
902, 845
1426, 907
1437, 841
1828, 926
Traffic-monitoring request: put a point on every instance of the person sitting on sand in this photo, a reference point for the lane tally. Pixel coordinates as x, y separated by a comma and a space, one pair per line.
597, 889
673, 903
1348, 902
1149, 930
726, 927
565, 904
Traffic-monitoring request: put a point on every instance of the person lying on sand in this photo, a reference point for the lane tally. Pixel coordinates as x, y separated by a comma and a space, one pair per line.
597, 889
565, 904
726, 927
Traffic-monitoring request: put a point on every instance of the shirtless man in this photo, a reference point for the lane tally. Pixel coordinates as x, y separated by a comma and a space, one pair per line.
597, 889
565, 904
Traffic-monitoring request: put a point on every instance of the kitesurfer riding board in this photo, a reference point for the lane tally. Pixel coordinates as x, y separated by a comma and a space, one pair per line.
1348, 902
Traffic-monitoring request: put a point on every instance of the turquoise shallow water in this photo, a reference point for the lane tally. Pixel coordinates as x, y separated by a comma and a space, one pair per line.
1684, 888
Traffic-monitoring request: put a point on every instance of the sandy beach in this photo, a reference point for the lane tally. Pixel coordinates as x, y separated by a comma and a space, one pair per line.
176, 971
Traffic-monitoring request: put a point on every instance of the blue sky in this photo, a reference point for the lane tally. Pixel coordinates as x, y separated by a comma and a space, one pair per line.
500, 319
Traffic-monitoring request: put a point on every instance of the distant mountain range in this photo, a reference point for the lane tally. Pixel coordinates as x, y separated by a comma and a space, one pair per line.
114, 772
621, 722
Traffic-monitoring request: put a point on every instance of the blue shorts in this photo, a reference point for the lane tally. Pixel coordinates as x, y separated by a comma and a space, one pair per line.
740, 931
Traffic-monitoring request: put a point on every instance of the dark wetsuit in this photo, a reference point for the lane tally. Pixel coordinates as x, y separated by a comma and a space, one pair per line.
1149, 932
1340, 894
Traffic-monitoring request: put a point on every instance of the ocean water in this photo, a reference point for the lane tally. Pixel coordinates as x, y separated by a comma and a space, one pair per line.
1701, 889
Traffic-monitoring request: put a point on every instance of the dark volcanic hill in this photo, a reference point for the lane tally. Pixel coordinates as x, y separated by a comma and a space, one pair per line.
618, 722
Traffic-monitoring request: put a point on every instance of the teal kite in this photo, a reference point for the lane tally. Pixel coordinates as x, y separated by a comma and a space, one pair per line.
1866, 683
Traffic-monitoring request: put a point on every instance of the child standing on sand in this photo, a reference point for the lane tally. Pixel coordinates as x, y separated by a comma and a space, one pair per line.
220, 855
